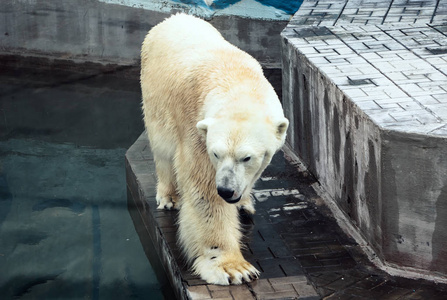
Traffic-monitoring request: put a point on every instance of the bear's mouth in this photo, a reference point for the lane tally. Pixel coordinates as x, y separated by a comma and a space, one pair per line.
232, 201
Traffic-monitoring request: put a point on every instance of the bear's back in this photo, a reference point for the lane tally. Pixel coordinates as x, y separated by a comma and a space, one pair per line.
182, 60
184, 38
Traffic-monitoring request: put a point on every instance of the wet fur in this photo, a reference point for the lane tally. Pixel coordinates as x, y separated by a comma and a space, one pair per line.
182, 74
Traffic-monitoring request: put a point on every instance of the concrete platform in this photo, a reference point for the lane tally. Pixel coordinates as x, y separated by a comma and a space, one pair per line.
365, 89
293, 239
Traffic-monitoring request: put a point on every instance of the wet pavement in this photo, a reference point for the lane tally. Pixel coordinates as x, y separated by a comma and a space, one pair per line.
293, 239
65, 230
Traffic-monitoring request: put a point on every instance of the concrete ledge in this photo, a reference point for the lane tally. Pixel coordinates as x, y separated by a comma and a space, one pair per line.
141, 180
366, 96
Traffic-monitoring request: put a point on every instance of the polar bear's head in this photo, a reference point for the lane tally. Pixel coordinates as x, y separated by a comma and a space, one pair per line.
240, 148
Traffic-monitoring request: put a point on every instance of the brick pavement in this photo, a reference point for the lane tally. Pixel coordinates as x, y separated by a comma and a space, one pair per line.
282, 275
367, 12
389, 57
292, 239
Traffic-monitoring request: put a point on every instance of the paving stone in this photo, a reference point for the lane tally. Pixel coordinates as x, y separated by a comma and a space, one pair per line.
409, 80
324, 292
397, 293
199, 292
278, 295
306, 291
221, 294
288, 280
280, 267
241, 292
343, 282
283, 287
262, 286
323, 279
309, 261
424, 294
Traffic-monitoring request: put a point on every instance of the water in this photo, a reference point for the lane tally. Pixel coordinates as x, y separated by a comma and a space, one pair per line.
65, 231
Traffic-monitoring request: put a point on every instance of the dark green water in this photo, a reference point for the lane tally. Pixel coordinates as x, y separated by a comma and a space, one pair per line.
65, 231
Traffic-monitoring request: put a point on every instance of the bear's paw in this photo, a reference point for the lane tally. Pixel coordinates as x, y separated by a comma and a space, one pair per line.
248, 207
167, 202
225, 271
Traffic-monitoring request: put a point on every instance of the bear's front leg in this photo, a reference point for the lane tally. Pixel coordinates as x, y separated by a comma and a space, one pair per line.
247, 204
209, 233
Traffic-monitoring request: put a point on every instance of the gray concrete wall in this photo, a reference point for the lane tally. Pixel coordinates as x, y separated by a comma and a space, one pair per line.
97, 31
366, 99
392, 185
414, 193
336, 140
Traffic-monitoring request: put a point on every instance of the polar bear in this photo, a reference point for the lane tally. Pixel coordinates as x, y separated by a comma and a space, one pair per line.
214, 122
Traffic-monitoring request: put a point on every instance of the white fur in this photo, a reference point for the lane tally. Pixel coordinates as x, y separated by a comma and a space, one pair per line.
213, 121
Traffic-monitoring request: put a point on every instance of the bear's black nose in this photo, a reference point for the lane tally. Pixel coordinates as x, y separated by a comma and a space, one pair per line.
225, 192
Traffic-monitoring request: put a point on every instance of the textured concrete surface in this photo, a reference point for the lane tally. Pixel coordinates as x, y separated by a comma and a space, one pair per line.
365, 90
292, 239
65, 230
92, 30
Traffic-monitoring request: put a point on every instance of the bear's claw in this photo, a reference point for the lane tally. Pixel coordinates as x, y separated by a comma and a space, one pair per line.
166, 202
216, 271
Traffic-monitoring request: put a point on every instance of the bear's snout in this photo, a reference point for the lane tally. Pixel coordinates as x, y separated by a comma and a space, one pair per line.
224, 192
227, 194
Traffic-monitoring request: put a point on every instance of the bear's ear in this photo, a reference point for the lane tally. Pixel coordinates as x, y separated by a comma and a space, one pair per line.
281, 128
202, 126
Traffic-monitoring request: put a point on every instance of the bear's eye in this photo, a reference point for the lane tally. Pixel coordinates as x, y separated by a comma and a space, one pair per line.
215, 155
247, 159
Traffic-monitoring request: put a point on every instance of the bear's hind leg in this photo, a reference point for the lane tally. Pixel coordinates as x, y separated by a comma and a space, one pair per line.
167, 196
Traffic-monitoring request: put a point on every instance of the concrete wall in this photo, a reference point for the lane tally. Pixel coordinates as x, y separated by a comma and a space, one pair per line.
113, 30
414, 193
336, 140
391, 185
